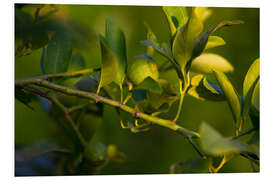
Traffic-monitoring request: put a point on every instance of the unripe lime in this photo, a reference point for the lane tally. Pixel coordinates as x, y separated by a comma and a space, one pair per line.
96, 153
141, 69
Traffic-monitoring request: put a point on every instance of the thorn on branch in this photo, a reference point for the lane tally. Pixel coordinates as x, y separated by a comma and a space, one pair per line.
119, 104
136, 114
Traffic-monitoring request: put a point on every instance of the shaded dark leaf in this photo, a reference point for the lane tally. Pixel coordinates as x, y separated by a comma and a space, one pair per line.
23, 96
59, 52
194, 165
149, 84
203, 89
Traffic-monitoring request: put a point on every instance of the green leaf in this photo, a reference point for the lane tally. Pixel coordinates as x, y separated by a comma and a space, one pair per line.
149, 84
184, 40
203, 12
214, 41
162, 102
77, 63
160, 50
23, 24
254, 115
251, 93
201, 41
214, 144
152, 38
88, 83
116, 42
37, 149
248, 101
203, 89
109, 64
226, 24
231, 96
39, 35
23, 96
208, 62
176, 16
164, 51
194, 165
59, 51
256, 97
251, 78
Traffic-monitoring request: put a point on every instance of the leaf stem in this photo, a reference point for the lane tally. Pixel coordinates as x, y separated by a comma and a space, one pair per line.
221, 164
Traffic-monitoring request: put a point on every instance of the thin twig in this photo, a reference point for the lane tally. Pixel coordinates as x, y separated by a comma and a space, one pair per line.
62, 108
78, 107
65, 74
244, 133
70, 121
196, 147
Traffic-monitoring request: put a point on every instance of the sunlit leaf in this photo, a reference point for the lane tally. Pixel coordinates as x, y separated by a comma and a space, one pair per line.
176, 16
141, 67
208, 62
203, 12
214, 41
201, 41
253, 91
109, 66
250, 83
59, 52
203, 89
226, 24
184, 40
116, 43
152, 38
214, 144
194, 165
231, 96
251, 76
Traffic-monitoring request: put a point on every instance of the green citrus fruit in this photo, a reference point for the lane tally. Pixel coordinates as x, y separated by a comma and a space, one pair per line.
96, 153
141, 69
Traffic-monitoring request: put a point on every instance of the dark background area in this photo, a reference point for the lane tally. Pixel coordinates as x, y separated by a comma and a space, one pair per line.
155, 150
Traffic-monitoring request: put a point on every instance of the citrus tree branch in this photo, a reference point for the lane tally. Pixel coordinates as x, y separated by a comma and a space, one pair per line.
62, 108
74, 92
62, 75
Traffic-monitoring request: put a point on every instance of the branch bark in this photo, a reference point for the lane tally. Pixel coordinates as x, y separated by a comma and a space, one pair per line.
74, 92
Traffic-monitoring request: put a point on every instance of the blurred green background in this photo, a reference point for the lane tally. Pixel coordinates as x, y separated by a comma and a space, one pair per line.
155, 150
